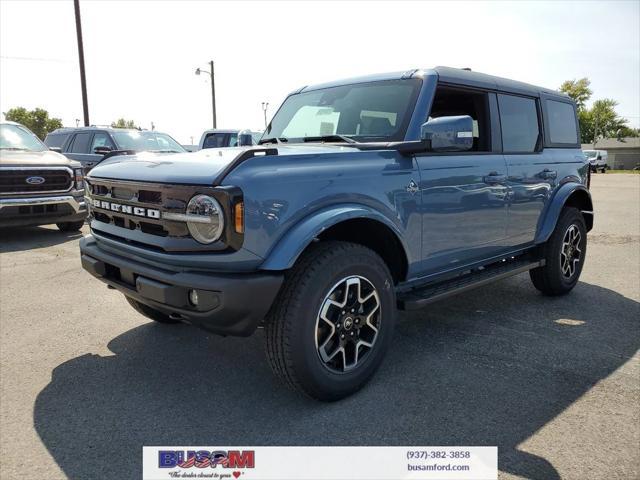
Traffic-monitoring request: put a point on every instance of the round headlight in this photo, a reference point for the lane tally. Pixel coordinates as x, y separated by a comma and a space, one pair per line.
206, 219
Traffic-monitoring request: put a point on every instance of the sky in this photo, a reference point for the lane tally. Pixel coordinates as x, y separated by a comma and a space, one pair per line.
141, 56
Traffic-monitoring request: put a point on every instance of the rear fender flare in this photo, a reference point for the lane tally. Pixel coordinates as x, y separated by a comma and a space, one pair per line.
568, 193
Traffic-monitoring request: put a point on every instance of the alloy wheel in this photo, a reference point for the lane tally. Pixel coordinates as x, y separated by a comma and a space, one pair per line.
347, 324
571, 253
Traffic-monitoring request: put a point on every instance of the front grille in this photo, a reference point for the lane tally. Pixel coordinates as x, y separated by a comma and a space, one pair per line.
155, 196
36, 210
121, 210
45, 180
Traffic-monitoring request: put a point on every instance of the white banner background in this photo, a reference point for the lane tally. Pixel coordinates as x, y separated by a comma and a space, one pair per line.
334, 463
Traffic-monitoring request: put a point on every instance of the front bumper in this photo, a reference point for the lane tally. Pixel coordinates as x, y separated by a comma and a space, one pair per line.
29, 211
229, 304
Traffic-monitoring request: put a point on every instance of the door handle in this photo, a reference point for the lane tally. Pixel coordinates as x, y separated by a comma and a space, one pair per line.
494, 177
548, 174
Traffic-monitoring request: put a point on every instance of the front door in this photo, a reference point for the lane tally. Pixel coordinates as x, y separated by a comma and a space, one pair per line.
464, 208
464, 194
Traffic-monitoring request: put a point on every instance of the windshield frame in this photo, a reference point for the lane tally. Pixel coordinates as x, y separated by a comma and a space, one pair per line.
27, 134
401, 128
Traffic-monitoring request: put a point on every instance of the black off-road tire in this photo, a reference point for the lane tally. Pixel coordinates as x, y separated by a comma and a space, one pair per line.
290, 326
149, 312
70, 226
550, 279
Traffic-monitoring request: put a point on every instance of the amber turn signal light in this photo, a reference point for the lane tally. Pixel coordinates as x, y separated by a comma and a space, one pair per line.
239, 217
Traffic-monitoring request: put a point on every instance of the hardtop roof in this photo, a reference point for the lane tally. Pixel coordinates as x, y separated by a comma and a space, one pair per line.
451, 75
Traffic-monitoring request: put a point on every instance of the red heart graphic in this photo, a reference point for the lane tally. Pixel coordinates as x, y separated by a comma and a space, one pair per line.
236, 474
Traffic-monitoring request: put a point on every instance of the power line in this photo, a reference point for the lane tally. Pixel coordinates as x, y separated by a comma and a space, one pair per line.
35, 59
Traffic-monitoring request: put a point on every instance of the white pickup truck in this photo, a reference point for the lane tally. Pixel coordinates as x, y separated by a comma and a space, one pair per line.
597, 160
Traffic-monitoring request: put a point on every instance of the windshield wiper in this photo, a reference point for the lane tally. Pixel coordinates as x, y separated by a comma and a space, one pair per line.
165, 151
273, 140
15, 148
330, 138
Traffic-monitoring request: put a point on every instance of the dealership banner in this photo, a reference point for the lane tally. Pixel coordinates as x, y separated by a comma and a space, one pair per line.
320, 463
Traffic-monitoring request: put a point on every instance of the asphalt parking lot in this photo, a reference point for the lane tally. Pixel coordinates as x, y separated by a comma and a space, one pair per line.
554, 382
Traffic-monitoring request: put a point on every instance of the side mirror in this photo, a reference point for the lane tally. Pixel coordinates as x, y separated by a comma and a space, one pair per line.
103, 150
56, 149
448, 134
245, 139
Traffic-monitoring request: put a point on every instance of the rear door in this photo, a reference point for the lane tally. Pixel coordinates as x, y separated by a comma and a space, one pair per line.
532, 171
464, 194
81, 148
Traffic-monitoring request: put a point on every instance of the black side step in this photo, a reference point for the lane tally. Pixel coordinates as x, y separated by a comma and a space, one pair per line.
419, 297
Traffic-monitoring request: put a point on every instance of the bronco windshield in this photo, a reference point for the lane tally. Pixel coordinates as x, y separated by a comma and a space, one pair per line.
146, 141
16, 137
364, 112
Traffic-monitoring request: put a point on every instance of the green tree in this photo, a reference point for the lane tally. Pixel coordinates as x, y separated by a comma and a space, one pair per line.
599, 121
37, 120
578, 90
625, 132
122, 123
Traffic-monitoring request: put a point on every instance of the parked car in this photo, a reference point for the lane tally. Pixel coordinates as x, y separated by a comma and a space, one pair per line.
37, 186
598, 160
366, 195
90, 145
219, 138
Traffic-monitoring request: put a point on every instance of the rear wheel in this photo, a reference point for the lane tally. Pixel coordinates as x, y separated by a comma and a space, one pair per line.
149, 312
332, 322
70, 226
565, 252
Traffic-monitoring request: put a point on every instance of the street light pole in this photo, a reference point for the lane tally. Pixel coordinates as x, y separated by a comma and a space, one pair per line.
83, 79
213, 95
265, 106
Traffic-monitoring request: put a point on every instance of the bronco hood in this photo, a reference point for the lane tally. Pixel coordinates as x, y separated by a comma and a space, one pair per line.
197, 168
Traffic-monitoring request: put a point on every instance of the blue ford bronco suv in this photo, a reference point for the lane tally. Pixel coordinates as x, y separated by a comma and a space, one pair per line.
363, 197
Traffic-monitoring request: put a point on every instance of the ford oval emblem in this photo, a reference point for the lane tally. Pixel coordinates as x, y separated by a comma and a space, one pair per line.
35, 180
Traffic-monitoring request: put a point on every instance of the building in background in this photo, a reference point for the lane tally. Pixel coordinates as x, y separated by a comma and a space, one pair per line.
624, 154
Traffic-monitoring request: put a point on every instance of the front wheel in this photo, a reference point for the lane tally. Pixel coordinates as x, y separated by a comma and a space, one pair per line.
564, 252
332, 322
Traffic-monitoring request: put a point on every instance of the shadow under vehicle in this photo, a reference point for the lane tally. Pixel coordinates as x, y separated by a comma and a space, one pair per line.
456, 376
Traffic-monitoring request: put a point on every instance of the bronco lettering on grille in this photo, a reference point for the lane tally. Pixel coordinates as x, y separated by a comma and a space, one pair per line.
128, 209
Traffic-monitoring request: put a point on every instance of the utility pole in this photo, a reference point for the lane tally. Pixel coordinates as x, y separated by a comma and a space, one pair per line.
265, 106
213, 89
83, 79
595, 132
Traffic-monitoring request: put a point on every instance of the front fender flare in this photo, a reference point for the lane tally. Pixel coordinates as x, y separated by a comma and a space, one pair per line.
551, 214
297, 238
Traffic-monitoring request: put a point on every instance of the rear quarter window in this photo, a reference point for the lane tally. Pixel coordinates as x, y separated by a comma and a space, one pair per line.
562, 122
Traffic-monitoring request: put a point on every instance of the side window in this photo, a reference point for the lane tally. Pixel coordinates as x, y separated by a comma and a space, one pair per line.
100, 139
55, 140
451, 102
80, 143
562, 122
519, 120
233, 139
214, 140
